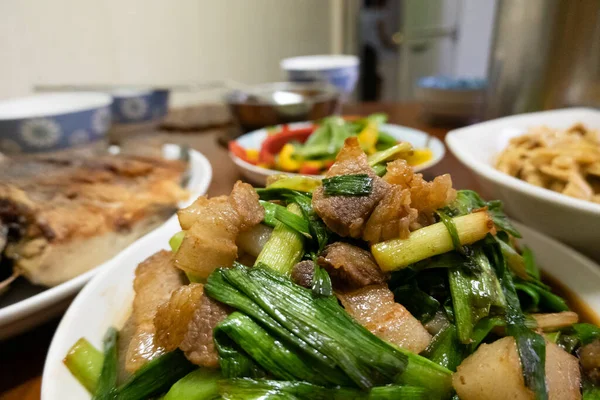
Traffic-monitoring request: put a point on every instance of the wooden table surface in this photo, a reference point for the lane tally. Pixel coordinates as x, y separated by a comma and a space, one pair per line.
22, 357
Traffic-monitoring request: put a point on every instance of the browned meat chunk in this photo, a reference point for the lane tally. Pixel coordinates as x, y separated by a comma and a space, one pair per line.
155, 280
347, 215
425, 197
173, 317
302, 273
187, 321
392, 218
198, 344
374, 308
589, 357
350, 267
212, 226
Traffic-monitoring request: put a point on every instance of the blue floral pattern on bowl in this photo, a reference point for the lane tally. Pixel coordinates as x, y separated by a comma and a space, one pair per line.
56, 130
341, 71
141, 106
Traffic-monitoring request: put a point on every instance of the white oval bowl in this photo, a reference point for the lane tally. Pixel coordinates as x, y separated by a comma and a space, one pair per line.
258, 175
106, 301
573, 221
34, 305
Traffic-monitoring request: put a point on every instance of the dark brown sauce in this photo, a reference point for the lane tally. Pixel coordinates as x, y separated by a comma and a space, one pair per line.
585, 312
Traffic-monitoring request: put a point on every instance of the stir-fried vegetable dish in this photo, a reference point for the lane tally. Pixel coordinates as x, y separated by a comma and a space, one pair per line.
353, 287
312, 150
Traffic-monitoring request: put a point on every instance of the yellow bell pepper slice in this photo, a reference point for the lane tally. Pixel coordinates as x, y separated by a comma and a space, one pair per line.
285, 160
368, 137
252, 155
419, 156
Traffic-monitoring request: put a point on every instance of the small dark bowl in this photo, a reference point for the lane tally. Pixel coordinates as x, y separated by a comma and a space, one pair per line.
279, 103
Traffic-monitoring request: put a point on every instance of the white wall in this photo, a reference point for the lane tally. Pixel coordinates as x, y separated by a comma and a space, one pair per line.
475, 36
156, 41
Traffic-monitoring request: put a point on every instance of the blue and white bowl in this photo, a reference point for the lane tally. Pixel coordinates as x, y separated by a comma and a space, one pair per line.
53, 121
339, 70
444, 96
134, 106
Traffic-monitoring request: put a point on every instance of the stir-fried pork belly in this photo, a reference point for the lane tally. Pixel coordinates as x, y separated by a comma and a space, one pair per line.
350, 267
187, 321
155, 279
212, 226
425, 197
302, 273
374, 307
399, 203
589, 357
198, 343
347, 215
494, 372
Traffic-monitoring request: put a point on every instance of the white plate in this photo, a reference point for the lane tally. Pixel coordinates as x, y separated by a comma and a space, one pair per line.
25, 306
254, 139
573, 221
106, 301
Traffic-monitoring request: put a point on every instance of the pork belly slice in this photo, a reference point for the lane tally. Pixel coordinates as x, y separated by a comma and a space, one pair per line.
374, 308
187, 321
302, 273
425, 197
155, 279
350, 267
212, 226
392, 218
347, 215
494, 372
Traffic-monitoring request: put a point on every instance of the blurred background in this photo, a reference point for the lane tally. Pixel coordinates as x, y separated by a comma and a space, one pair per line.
155, 41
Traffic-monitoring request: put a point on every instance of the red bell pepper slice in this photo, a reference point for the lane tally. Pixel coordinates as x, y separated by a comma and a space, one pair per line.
273, 143
239, 151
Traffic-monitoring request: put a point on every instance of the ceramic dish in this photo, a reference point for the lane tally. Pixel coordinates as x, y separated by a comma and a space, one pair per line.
337, 69
26, 305
573, 221
53, 121
258, 175
106, 301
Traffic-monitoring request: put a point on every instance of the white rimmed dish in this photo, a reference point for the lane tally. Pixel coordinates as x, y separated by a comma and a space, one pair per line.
106, 302
26, 305
258, 175
573, 221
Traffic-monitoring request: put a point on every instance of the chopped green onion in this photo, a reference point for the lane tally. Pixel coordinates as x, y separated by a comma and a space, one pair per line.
274, 355
84, 361
380, 169
108, 377
271, 389
321, 282
451, 227
275, 212
530, 265
445, 348
530, 345
483, 328
390, 154
420, 304
201, 384
587, 333
284, 248
176, 240
348, 185
234, 362
156, 377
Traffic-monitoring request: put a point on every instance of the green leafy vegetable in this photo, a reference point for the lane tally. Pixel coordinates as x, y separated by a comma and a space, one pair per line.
85, 363
587, 333
263, 389
348, 185
445, 349
108, 377
321, 282
176, 240
156, 377
420, 304
275, 212
467, 201
201, 384
530, 345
